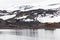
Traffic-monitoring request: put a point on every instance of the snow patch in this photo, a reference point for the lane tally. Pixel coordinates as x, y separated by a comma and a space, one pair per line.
7, 17
48, 19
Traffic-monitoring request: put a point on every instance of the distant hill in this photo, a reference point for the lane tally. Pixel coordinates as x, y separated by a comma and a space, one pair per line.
30, 13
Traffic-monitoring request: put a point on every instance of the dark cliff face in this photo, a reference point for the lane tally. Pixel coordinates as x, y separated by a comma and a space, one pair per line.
38, 11
3, 11
34, 13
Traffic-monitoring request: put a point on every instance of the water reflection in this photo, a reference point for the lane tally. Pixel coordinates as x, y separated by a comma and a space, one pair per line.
26, 34
29, 34
46, 35
0, 32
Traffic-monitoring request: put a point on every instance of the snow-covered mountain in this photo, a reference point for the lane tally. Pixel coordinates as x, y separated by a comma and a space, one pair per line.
31, 13
44, 15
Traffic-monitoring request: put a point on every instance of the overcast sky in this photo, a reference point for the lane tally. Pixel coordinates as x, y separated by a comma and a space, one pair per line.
11, 4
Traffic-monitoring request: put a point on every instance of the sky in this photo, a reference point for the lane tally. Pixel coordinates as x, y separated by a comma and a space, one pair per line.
14, 4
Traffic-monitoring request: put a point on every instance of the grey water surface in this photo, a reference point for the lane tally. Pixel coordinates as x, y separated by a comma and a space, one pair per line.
29, 34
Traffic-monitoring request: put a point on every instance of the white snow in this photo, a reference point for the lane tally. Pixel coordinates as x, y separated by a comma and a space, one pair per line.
48, 19
42, 7
28, 20
7, 17
3, 13
21, 17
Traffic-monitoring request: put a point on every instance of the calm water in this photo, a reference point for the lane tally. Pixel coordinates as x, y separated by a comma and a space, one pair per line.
29, 34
